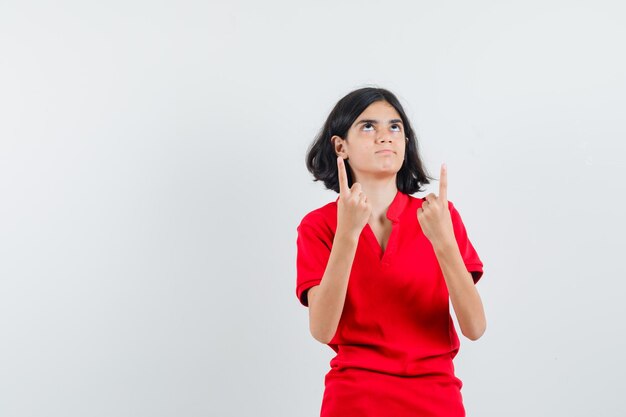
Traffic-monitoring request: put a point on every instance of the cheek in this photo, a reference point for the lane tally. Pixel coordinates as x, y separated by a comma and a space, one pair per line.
365, 147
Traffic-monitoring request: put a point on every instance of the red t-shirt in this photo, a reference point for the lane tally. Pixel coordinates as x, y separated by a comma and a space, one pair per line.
396, 317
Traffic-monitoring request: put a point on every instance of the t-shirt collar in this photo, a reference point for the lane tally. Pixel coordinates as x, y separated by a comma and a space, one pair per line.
397, 206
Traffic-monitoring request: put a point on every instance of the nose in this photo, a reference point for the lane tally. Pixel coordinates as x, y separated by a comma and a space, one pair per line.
383, 136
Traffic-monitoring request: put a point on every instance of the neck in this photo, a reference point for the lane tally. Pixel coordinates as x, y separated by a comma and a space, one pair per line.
379, 194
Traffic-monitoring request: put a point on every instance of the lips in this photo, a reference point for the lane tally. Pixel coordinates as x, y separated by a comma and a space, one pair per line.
386, 151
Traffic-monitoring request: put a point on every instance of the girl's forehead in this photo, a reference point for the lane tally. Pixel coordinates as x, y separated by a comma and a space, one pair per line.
380, 107
380, 110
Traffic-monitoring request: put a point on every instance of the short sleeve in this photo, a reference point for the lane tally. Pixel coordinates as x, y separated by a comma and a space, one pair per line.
314, 244
470, 257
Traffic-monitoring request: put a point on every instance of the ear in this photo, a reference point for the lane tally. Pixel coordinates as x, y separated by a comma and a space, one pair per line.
339, 146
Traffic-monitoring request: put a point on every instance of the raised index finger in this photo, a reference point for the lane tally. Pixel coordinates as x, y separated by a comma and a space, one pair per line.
443, 183
343, 176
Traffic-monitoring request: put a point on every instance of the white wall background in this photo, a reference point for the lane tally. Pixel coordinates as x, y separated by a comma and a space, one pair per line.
152, 177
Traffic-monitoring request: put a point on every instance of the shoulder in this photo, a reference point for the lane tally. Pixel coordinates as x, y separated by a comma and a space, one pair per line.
323, 217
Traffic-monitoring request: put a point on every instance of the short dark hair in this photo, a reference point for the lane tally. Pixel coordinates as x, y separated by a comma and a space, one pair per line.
321, 159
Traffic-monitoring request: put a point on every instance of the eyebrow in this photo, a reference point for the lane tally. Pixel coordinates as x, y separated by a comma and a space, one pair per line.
374, 122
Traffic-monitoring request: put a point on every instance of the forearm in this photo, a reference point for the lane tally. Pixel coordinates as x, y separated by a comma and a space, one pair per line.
463, 293
326, 300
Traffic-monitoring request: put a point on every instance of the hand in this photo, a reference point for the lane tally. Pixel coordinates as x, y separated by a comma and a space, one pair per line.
434, 215
353, 210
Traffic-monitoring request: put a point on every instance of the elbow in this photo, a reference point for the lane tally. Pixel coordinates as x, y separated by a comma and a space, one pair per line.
473, 336
475, 332
321, 336
321, 327
321, 331
322, 339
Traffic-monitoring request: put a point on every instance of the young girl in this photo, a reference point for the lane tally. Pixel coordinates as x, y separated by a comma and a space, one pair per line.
378, 267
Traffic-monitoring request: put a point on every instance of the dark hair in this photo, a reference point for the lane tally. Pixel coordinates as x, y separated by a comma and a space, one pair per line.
321, 159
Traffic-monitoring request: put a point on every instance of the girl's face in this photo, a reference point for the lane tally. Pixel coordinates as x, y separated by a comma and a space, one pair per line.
375, 143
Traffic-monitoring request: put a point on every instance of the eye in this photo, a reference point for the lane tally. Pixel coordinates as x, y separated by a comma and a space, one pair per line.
368, 126
396, 128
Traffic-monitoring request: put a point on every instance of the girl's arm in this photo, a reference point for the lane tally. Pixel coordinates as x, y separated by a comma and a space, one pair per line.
326, 300
434, 218
463, 293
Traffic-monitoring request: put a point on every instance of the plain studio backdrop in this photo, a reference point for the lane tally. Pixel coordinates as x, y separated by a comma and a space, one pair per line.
152, 178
